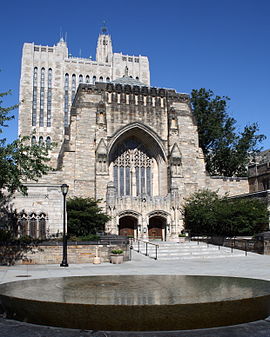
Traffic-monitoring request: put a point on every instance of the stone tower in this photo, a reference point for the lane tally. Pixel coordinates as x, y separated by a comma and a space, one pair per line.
104, 52
50, 77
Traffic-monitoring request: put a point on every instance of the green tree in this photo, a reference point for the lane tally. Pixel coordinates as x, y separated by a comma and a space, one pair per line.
227, 152
206, 213
85, 217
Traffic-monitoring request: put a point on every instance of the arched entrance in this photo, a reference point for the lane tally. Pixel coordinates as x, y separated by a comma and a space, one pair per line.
128, 226
157, 228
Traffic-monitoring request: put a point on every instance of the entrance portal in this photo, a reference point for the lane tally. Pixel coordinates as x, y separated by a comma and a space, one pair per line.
157, 228
128, 226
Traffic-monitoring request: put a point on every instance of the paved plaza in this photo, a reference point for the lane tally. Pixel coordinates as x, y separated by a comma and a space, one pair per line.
251, 266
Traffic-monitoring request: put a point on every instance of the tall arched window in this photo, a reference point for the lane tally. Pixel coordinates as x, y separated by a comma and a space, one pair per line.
48, 140
132, 165
34, 103
33, 140
73, 87
49, 98
108, 79
81, 79
33, 225
101, 79
87, 79
40, 141
23, 222
42, 226
42, 92
66, 100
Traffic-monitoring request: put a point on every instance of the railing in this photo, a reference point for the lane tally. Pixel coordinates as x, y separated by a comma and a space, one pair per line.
142, 246
234, 243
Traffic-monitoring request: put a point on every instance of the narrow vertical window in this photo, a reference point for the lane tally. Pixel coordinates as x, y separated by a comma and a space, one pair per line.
40, 141
41, 109
148, 181
49, 98
122, 188
143, 190
66, 99
94, 79
87, 79
33, 225
137, 171
115, 177
48, 141
24, 225
101, 79
42, 226
81, 79
108, 79
73, 87
127, 180
33, 140
34, 103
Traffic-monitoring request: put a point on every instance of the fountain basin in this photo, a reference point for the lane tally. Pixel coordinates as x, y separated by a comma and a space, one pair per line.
137, 303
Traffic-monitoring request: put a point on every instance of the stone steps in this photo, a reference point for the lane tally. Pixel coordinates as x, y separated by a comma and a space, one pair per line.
188, 250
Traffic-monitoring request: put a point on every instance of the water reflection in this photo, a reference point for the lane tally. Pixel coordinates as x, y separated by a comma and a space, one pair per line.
137, 290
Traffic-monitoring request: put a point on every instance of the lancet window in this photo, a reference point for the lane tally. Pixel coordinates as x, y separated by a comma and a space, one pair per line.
132, 169
34, 104
66, 100
42, 93
49, 98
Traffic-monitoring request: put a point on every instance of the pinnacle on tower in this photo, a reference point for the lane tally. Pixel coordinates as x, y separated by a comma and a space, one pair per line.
104, 29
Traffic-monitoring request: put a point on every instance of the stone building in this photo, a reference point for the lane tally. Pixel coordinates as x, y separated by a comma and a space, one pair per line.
259, 173
49, 80
120, 140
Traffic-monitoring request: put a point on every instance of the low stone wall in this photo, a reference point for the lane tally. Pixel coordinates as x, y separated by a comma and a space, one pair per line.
77, 253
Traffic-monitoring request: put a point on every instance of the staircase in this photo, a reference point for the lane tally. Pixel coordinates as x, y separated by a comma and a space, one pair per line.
186, 250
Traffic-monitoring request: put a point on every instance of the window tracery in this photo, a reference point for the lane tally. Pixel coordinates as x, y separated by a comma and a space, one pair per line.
132, 166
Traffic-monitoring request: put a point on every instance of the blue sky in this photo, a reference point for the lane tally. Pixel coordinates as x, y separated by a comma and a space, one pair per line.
219, 45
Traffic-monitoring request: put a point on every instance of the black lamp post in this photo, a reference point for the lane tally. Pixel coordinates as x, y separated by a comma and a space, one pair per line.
64, 189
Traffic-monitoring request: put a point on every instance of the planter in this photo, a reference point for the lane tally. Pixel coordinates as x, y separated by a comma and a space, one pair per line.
117, 259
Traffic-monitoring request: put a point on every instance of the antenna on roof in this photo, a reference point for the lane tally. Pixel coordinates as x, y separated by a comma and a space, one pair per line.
60, 33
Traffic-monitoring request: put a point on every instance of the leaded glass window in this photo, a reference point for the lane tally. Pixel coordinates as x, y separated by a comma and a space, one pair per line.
66, 100
42, 93
49, 98
34, 102
33, 225
132, 166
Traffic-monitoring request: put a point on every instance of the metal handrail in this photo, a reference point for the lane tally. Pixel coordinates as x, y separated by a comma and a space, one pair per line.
144, 250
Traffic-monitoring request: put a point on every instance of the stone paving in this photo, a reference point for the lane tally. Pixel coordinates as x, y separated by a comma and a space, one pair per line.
252, 265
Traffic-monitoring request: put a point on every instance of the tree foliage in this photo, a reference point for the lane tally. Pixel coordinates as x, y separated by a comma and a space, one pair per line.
206, 213
227, 152
85, 217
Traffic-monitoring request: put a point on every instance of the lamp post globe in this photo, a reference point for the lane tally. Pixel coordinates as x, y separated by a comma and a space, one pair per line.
64, 190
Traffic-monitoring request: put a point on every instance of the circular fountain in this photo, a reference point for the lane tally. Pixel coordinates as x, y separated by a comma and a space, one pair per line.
137, 303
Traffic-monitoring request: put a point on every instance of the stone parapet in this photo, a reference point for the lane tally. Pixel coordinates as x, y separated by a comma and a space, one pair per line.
77, 253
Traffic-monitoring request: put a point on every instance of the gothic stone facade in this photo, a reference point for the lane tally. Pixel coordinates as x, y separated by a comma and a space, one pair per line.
136, 148
49, 80
120, 140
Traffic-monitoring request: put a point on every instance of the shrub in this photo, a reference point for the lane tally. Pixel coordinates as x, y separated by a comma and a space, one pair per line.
117, 251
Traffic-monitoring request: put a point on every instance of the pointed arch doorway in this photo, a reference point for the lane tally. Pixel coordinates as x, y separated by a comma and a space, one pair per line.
128, 226
157, 228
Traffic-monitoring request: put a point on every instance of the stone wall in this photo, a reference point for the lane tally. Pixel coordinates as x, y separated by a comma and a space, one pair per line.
77, 253
227, 185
